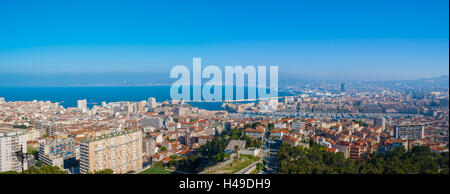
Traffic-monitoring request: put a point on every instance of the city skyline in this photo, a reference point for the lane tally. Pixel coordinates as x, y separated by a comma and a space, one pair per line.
236, 96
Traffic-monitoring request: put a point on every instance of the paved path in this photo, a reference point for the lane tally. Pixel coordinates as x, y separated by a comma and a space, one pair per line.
242, 171
147, 167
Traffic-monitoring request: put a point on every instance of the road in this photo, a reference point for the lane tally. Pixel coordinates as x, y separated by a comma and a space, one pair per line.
270, 159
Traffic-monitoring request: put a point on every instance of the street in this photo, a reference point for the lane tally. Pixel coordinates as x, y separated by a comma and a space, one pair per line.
270, 160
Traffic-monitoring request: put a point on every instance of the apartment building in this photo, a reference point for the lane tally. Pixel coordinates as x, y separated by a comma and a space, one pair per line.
55, 151
119, 151
344, 147
298, 125
409, 131
152, 121
357, 152
11, 141
257, 133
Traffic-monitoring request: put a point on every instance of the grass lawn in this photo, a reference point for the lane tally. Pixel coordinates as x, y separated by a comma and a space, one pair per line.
236, 165
155, 170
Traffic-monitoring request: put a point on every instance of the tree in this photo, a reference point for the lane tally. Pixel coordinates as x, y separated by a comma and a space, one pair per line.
39, 163
255, 124
259, 166
315, 160
9, 172
32, 151
45, 169
104, 171
20, 126
159, 164
219, 157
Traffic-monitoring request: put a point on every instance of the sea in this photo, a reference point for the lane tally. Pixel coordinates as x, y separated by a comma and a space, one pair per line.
68, 96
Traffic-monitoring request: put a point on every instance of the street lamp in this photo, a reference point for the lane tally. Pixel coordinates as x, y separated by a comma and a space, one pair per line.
21, 156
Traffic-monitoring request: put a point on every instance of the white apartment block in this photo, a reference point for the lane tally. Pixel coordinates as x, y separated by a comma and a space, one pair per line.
82, 104
409, 131
11, 140
152, 102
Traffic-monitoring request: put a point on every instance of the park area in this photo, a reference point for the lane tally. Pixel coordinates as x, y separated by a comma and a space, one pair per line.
236, 165
155, 170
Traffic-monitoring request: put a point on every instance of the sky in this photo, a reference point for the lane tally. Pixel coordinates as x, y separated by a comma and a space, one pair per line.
323, 39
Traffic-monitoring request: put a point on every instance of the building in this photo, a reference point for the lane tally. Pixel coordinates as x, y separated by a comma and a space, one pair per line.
204, 139
357, 152
132, 124
281, 125
148, 148
344, 147
233, 143
152, 121
325, 144
119, 151
255, 133
380, 122
371, 108
181, 111
53, 152
250, 151
140, 107
288, 99
158, 137
298, 126
148, 145
290, 140
389, 145
33, 134
278, 133
11, 141
151, 102
409, 131
131, 108
82, 104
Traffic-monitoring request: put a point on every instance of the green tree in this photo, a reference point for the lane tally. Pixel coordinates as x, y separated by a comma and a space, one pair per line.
32, 151
104, 171
255, 124
45, 169
9, 172
315, 160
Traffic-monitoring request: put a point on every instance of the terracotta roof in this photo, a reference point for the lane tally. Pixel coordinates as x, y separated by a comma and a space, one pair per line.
254, 130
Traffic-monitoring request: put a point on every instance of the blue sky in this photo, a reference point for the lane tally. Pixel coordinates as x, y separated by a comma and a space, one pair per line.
316, 39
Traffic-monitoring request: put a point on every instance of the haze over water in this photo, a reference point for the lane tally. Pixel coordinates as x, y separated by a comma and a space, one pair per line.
68, 96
